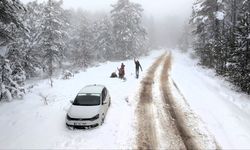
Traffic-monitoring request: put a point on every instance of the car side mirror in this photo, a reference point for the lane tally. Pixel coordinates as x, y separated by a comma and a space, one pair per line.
71, 101
104, 103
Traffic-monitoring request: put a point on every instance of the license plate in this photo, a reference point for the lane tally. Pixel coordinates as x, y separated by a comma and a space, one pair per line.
79, 124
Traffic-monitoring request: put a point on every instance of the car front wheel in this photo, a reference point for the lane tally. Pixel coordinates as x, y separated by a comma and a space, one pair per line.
102, 119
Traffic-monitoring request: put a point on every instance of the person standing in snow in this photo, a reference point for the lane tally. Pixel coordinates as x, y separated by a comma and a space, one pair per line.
137, 66
121, 71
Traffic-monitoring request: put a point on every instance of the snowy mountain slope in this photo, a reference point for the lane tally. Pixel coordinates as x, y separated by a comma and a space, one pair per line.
225, 112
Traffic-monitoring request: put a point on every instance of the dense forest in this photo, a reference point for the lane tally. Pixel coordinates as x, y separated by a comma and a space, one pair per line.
39, 38
222, 37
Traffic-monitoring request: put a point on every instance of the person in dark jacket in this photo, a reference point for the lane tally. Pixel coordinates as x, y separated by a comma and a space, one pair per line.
137, 66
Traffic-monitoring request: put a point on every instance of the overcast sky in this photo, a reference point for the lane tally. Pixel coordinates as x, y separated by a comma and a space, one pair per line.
156, 8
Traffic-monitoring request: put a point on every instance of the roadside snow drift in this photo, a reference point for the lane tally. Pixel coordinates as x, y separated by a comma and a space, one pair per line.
225, 112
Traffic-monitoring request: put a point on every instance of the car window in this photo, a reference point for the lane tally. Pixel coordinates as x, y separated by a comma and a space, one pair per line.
87, 100
104, 94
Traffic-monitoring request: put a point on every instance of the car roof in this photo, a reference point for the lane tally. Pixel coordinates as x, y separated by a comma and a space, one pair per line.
94, 88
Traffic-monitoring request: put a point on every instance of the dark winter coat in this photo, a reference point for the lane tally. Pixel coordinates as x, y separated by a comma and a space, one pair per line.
137, 65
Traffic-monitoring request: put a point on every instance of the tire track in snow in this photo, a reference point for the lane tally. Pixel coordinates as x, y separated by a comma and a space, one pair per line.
167, 133
185, 135
193, 133
156, 128
146, 137
165, 121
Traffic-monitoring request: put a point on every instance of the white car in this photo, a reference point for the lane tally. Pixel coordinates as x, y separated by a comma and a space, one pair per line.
89, 107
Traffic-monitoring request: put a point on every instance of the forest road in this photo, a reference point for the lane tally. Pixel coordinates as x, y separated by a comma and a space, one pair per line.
161, 123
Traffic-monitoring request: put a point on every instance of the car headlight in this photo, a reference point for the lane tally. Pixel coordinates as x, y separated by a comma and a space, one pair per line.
68, 117
95, 117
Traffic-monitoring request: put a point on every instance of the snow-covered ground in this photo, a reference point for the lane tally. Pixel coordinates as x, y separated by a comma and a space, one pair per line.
225, 112
29, 123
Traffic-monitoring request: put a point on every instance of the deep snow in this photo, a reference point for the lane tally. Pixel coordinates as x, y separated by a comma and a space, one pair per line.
29, 123
225, 112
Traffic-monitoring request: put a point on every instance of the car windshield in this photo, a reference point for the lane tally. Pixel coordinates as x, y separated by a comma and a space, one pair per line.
87, 100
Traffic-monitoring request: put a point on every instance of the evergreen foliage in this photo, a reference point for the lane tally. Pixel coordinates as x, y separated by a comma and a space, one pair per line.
128, 33
222, 29
9, 10
41, 38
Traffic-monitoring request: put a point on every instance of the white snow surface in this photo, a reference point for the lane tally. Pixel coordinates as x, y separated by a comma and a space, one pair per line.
225, 112
3, 50
220, 15
30, 124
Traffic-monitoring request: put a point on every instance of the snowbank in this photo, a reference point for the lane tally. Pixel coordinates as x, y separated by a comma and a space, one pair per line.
225, 111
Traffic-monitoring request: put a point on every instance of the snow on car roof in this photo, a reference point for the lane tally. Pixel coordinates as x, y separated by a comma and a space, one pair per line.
95, 88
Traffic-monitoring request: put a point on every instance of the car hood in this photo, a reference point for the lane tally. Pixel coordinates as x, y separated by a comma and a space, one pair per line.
83, 111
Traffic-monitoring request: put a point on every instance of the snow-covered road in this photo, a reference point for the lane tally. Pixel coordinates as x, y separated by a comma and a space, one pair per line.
165, 121
156, 127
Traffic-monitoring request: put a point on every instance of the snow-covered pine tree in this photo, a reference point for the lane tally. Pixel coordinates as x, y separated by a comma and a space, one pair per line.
64, 15
16, 61
129, 35
17, 49
218, 48
32, 61
185, 39
51, 38
103, 41
81, 41
230, 37
240, 62
223, 42
152, 35
70, 16
12, 74
5, 73
200, 32
8, 14
207, 16
11, 81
